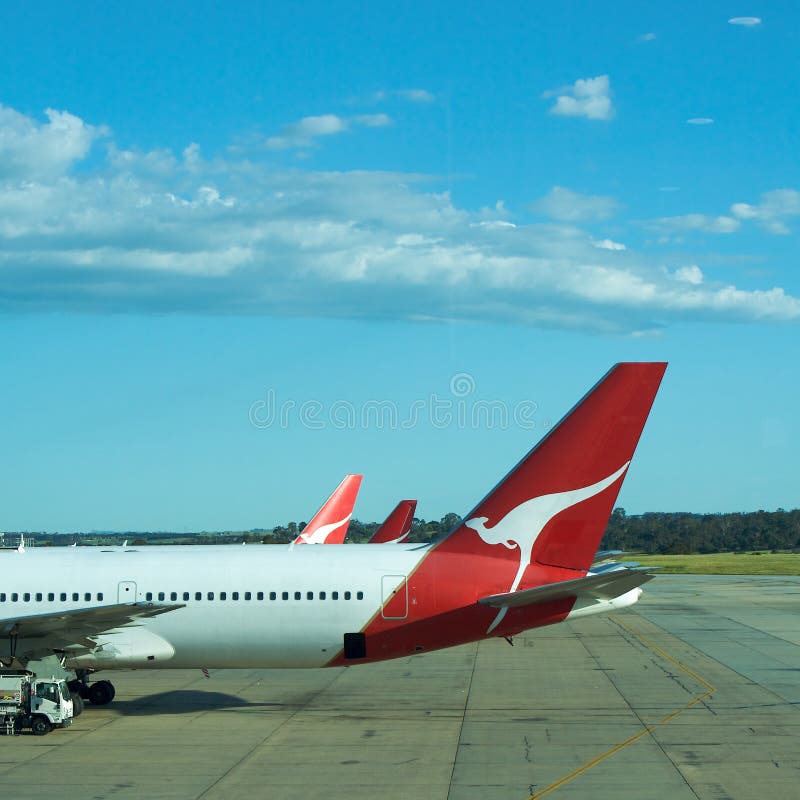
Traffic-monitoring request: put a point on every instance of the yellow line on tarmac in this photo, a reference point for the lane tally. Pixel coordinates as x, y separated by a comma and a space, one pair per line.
614, 750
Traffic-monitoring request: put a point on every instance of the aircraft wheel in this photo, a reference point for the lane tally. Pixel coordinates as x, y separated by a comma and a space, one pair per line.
77, 704
40, 725
79, 687
101, 693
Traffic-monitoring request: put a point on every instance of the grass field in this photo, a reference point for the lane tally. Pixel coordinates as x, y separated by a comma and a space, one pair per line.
724, 563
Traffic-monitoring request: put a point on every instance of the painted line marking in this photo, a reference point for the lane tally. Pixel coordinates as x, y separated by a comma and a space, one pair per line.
709, 690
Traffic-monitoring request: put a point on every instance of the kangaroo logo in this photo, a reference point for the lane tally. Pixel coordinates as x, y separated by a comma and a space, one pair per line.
321, 534
523, 524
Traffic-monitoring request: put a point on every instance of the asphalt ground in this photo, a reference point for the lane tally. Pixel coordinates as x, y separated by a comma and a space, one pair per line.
693, 693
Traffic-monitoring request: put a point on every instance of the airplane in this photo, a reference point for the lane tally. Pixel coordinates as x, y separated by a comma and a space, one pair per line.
518, 561
329, 524
397, 525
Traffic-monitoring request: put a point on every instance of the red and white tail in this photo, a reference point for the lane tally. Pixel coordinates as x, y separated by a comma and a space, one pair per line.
552, 508
329, 524
519, 559
397, 525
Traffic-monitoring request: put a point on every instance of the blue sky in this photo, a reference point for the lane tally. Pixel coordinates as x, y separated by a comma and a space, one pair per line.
204, 207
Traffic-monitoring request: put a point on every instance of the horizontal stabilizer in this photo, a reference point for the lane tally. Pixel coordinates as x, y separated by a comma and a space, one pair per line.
604, 556
614, 566
601, 587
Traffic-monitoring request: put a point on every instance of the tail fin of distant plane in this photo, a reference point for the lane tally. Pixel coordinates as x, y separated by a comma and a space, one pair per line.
329, 524
552, 508
397, 525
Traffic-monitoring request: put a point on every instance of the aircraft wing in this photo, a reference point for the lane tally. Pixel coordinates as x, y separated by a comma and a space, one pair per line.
42, 633
605, 586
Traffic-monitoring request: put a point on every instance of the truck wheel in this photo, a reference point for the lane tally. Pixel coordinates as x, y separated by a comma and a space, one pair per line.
40, 725
77, 704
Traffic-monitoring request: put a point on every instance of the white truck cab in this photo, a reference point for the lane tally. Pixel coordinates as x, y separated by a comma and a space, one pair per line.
30, 702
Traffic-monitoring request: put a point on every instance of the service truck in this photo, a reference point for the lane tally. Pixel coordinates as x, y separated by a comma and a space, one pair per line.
27, 701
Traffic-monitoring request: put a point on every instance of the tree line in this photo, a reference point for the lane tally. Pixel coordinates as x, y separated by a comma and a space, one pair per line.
659, 533
421, 530
681, 533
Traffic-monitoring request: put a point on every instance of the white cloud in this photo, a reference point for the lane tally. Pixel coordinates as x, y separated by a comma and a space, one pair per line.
411, 95
304, 132
373, 120
240, 237
494, 223
587, 97
646, 37
703, 223
156, 162
568, 206
609, 244
416, 95
32, 149
772, 212
191, 156
691, 274
700, 121
744, 211
748, 22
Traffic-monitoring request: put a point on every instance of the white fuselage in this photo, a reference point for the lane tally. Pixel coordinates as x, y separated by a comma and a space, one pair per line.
244, 606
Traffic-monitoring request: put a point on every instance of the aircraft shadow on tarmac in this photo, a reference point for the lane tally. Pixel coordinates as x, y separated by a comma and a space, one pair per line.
185, 701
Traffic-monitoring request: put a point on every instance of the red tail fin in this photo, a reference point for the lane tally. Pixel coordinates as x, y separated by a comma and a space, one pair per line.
541, 525
552, 508
397, 525
329, 524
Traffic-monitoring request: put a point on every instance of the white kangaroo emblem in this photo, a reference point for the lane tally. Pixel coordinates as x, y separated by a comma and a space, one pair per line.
523, 524
321, 534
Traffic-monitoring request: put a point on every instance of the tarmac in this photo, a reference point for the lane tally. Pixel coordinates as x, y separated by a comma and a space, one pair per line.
692, 693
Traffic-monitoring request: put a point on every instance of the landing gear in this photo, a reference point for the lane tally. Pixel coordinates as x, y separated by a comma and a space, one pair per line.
7, 663
101, 693
78, 687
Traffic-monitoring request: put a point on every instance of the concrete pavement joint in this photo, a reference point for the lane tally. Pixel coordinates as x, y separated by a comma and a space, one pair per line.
463, 717
266, 738
709, 690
